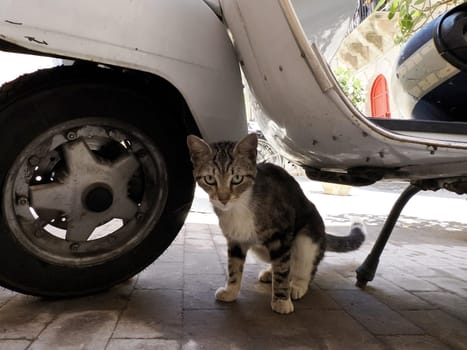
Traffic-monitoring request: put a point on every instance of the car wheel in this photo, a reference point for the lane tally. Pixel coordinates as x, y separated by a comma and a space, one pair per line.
95, 176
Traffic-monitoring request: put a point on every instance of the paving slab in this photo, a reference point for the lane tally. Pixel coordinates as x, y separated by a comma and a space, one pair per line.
199, 263
152, 314
441, 325
453, 304
198, 293
394, 296
14, 344
329, 279
78, 330
408, 281
25, 317
413, 342
368, 311
161, 275
174, 253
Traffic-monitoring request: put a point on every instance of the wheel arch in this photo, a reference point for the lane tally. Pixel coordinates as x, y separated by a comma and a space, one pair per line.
141, 81
184, 43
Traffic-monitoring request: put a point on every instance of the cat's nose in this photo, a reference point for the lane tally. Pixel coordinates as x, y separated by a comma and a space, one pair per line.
223, 198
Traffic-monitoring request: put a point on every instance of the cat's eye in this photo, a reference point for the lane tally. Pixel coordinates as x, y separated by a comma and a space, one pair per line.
210, 180
237, 179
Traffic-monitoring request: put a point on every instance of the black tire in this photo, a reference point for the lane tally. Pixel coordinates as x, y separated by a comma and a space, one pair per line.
90, 100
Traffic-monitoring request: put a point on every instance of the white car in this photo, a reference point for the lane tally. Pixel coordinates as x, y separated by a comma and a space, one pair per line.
95, 175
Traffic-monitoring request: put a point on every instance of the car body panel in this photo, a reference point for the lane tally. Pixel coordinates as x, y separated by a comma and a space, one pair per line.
305, 114
183, 42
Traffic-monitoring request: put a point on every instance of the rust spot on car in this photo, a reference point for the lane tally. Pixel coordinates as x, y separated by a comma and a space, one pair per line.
432, 149
34, 40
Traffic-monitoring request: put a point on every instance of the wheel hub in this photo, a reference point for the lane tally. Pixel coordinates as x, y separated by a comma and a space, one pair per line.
85, 170
98, 199
85, 192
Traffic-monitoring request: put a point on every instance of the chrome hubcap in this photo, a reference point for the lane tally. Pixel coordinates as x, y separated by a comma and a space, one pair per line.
85, 192
103, 189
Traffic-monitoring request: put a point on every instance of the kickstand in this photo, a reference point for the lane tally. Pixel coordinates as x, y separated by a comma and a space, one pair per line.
366, 271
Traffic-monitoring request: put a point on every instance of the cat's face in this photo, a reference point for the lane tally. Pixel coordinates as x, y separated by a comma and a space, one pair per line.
225, 170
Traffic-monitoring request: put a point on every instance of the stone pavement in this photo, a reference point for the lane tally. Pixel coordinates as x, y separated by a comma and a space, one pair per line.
418, 299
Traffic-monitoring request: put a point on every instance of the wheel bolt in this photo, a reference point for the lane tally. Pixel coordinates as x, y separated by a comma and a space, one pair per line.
23, 201
38, 233
139, 216
71, 135
33, 160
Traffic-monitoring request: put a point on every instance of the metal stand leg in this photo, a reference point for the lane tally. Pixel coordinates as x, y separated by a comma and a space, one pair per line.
366, 271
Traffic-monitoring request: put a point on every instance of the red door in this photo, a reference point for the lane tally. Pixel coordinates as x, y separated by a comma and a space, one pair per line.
380, 98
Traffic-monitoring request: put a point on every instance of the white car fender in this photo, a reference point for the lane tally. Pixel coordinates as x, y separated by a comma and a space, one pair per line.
181, 41
306, 116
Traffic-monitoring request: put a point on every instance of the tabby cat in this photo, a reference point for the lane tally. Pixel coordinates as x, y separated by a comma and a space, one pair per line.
261, 207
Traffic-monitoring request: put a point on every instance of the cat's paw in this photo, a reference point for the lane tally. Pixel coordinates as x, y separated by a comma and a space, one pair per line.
282, 306
298, 289
265, 275
226, 294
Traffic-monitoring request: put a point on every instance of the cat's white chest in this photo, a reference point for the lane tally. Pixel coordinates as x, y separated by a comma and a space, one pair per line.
238, 223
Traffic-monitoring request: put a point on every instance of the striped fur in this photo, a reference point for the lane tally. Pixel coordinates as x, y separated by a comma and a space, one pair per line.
262, 208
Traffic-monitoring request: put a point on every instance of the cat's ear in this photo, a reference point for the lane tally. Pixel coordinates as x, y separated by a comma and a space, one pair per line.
248, 146
199, 149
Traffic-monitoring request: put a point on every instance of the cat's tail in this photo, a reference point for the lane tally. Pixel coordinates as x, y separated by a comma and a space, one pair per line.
352, 241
